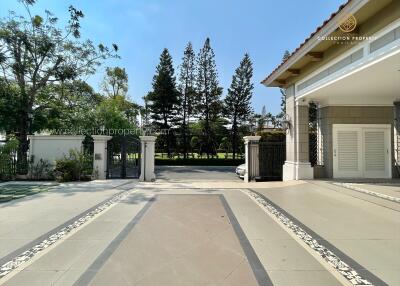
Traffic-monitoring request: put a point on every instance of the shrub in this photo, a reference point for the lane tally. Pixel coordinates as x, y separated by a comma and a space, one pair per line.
76, 167
41, 170
199, 162
273, 136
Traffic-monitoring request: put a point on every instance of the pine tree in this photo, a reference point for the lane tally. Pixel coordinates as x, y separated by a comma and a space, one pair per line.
237, 104
187, 82
285, 56
164, 99
208, 103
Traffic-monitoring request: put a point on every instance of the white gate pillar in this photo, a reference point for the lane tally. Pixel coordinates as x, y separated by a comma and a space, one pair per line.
147, 158
252, 157
100, 156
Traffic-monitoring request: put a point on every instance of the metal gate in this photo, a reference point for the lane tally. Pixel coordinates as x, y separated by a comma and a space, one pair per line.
272, 156
123, 157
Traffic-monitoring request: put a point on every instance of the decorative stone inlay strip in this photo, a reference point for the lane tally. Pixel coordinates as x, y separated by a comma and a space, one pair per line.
372, 193
327, 255
11, 265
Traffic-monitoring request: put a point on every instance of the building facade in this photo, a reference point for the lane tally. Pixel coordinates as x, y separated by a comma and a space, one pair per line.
350, 68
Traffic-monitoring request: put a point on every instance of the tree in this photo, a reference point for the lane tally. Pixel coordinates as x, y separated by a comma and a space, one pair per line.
68, 106
208, 103
9, 106
35, 52
237, 104
145, 113
187, 92
261, 119
114, 113
164, 99
285, 56
115, 82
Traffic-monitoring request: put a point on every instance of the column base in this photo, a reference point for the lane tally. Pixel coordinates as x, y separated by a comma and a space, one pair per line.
297, 171
149, 177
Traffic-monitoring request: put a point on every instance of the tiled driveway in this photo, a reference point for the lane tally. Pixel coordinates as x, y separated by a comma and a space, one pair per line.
197, 233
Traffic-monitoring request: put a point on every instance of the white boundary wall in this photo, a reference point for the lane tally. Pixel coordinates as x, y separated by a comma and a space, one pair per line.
53, 147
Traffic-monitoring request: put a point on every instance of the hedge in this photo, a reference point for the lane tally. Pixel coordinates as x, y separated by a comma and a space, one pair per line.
199, 162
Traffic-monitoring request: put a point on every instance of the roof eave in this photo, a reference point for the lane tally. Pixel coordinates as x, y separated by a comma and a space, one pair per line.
350, 8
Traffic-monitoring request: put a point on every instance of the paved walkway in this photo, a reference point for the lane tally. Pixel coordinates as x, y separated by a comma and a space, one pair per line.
185, 233
25, 221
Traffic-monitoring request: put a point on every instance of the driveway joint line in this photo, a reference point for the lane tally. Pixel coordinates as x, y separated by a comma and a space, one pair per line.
342, 190
38, 245
336, 259
258, 270
364, 191
91, 271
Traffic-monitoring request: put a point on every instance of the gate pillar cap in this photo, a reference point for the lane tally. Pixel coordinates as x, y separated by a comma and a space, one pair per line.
147, 138
251, 138
101, 137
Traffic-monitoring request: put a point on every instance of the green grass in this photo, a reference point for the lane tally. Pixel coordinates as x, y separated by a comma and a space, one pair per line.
16, 191
198, 162
220, 156
222, 159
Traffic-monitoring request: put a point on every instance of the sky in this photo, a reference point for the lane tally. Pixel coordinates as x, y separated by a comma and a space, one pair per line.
143, 28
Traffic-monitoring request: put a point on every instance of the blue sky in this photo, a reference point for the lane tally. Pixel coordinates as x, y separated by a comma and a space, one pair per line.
142, 28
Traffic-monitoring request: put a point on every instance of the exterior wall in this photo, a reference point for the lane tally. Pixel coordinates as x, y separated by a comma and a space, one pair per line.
349, 115
53, 147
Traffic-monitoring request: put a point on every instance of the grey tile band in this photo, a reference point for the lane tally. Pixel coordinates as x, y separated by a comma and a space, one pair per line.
330, 247
259, 272
89, 274
37, 240
364, 191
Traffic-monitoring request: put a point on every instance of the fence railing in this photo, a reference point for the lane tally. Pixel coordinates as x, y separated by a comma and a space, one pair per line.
8, 166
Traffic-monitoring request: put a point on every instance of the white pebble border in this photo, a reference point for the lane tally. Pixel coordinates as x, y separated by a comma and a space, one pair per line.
11, 265
333, 260
372, 193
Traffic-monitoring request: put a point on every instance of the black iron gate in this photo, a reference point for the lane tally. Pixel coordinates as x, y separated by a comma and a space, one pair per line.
123, 157
272, 156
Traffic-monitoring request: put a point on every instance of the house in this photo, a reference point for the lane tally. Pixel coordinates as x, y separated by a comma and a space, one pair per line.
350, 68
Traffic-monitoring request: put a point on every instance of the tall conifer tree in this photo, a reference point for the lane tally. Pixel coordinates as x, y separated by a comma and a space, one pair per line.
164, 99
237, 104
187, 92
208, 104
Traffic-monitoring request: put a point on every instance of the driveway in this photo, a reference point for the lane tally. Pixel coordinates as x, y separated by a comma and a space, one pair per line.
196, 173
174, 233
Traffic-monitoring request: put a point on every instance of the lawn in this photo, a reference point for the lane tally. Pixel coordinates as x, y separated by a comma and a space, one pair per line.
221, 159
222, 156
10, 192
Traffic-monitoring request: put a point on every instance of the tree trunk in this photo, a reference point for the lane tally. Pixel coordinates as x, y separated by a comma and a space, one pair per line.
22, 162
234, 137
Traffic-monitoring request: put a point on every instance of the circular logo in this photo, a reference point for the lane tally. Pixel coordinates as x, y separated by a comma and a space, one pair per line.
348, 24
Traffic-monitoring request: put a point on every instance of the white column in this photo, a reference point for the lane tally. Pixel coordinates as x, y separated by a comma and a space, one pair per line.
252, 157
100, 156
147, 158
297, 165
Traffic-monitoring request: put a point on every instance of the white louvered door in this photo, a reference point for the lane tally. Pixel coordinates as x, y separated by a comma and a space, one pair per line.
361, 151
347, 153
376, 153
